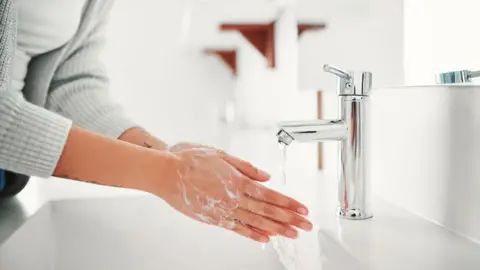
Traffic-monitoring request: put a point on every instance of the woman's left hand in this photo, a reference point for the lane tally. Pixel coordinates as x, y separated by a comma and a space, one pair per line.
265, 225
241, 165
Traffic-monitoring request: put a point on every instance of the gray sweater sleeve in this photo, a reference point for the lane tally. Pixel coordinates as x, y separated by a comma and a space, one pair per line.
79, 90
31, 138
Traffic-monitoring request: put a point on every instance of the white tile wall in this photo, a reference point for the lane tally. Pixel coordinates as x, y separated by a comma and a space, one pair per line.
425, 155
440, 35
425, 138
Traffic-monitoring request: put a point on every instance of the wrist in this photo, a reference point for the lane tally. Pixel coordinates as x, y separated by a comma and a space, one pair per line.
141, 137
164, 169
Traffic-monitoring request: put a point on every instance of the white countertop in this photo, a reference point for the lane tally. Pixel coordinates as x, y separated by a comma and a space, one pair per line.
393, 239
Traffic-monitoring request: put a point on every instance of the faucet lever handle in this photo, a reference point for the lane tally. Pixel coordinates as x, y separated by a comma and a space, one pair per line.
351, 83
336, 71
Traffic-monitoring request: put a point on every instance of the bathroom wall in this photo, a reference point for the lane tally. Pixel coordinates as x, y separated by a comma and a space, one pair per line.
425, 155
440, 35
369, 37
426, 152
265, 95
167, 88
361, 35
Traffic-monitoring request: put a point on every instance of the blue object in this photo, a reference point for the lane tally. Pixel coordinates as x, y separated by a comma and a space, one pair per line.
3, 179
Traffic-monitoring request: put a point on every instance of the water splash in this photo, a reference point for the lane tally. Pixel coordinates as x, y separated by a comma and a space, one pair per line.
287, 252
286, 248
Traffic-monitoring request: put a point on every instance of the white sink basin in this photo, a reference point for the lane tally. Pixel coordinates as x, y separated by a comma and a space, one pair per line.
127, 233
144, 233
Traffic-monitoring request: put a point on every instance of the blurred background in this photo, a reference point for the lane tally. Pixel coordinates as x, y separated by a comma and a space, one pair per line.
165, 62
157, 49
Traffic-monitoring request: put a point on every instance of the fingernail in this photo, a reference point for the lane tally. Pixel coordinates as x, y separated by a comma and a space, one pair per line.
264, 239
302, 211
263, 173
306, 226
291, 233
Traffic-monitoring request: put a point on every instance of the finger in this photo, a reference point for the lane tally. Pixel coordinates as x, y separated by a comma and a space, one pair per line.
275, 213
184, 146
246, 168
270, 196
250, 233
270, 234
265, 224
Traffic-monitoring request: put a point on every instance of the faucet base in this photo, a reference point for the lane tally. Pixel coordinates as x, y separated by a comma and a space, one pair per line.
353, 214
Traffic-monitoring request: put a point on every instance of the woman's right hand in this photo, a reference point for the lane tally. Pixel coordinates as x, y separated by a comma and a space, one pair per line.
213, 187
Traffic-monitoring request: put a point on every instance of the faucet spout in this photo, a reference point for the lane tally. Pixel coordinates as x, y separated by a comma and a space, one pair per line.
312, 131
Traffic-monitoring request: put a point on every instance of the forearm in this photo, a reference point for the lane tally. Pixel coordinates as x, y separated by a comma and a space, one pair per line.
94, 158
140, 137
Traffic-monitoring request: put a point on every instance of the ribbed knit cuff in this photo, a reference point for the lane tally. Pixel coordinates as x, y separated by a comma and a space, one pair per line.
31, 138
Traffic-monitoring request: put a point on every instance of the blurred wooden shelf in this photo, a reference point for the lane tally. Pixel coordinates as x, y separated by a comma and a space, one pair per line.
228, 56
261, 36
303, 27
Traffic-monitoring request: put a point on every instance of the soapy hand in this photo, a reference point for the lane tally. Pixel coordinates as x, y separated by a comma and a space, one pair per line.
216, 188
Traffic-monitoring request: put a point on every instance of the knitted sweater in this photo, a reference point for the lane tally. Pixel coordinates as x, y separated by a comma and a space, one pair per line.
65, 87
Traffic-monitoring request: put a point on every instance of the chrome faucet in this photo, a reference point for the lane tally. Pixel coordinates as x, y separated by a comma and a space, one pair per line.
351, 131
461, 76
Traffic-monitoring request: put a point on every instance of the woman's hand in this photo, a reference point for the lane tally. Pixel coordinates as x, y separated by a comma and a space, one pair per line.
244, 167
218, 189
201, 182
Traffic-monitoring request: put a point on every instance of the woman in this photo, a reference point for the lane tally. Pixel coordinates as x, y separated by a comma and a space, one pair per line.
56, 118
